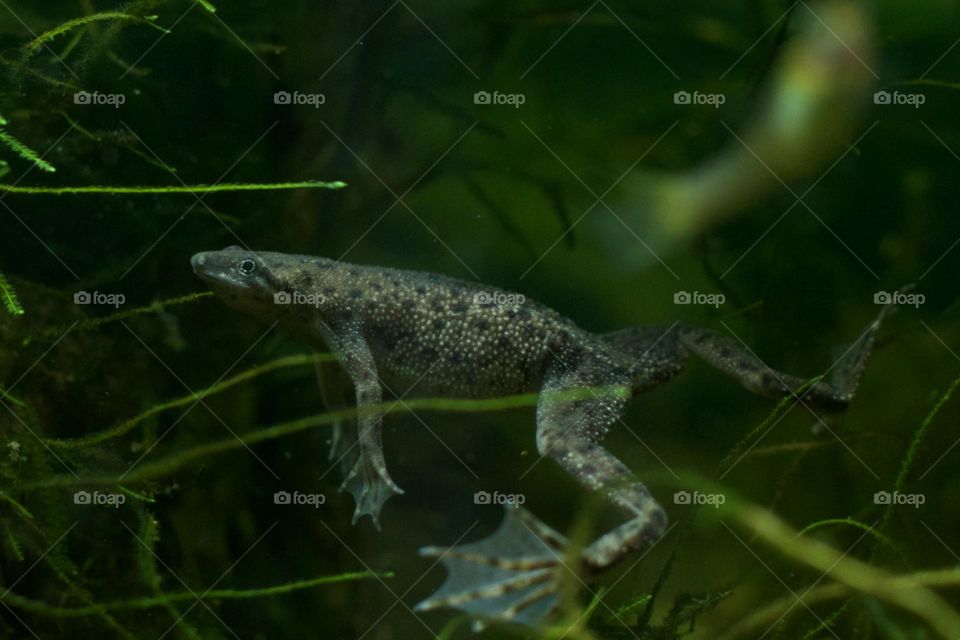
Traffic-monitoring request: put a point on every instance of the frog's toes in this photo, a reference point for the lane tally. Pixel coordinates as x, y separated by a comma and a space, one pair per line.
512, 576
371, 487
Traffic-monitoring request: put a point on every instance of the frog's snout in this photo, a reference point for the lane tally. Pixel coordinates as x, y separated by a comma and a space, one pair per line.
197, 261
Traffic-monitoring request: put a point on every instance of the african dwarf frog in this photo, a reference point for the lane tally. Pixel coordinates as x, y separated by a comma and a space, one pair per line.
405, 329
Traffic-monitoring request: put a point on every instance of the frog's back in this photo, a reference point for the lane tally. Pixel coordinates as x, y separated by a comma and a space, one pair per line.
450, 336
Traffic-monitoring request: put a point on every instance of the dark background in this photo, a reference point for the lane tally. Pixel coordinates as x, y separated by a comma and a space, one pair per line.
491, 191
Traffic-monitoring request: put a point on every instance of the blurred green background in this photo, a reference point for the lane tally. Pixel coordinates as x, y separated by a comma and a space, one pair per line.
501, 194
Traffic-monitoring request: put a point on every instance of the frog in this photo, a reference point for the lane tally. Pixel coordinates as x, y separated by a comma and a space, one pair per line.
434, 334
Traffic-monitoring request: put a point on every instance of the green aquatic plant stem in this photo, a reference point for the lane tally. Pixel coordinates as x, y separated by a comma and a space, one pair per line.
25, 152
744, 445
176, 461
872, 531
48, 36
19, 508
84, 595
734, 455
196, 189
912, 452
14, 544
9, 297
855, 574
147, 563
57, 331
763, 618
128, 425
37, 606
858, 576
920, 82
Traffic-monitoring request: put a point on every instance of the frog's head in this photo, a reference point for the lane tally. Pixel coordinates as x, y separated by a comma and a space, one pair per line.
245, 280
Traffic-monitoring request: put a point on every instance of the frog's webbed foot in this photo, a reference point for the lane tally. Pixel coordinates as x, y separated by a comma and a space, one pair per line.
512, 576
368, 482
370, 485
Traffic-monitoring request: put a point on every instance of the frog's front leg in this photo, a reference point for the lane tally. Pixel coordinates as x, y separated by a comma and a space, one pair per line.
514, 575
367, 480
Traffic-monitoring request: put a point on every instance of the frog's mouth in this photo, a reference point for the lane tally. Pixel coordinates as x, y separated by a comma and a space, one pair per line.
219, 276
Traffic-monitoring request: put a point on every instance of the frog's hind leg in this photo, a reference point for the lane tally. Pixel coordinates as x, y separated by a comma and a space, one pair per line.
515, 575
735, 359
570, 431
656, 354
653, 354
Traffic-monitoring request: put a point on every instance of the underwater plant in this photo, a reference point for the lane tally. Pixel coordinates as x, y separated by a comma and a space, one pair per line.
774, 171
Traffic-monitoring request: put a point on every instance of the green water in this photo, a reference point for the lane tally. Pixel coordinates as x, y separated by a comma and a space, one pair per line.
781, 166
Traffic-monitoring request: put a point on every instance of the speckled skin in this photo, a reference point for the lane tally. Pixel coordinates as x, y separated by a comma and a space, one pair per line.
406, 330
444, 335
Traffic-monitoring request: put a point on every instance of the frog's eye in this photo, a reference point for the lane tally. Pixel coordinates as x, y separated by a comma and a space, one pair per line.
247, 266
